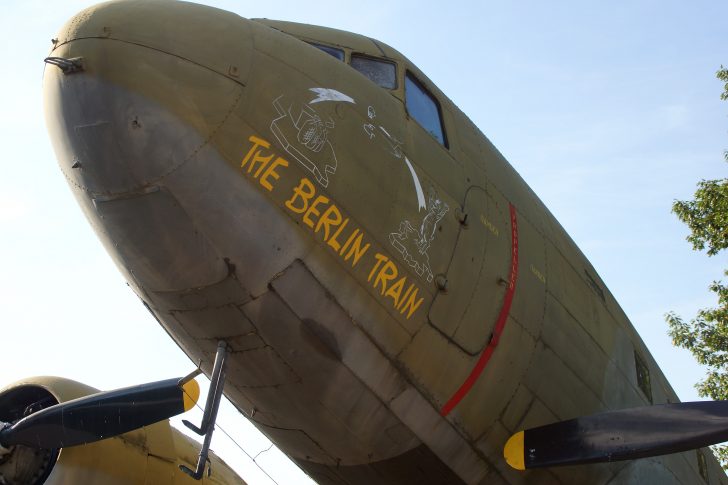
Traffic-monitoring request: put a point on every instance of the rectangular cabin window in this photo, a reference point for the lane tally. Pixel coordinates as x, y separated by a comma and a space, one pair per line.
332, 51
643, 376
424, 108
702, 466
382, 73
595, 286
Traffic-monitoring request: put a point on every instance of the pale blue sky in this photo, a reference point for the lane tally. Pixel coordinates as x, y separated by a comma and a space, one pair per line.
609, 110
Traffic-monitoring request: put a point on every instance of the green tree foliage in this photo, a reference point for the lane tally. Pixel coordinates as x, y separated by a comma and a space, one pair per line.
722, 74
706, 335
706, 215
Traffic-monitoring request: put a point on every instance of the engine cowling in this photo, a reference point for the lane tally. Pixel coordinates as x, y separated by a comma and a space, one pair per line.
148, 455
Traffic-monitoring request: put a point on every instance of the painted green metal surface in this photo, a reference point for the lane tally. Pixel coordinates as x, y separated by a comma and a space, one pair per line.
396, 307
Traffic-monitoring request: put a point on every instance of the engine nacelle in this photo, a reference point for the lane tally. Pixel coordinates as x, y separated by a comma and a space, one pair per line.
148, 455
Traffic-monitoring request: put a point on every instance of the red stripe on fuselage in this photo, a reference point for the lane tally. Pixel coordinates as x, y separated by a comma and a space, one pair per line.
499, 326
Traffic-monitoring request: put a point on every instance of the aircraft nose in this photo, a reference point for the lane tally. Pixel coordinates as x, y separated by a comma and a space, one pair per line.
134, 89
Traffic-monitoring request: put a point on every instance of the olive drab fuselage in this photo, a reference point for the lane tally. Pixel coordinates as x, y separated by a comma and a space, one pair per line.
397, 300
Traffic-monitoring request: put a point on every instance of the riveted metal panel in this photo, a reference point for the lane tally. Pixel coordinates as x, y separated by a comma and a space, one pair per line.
476, 278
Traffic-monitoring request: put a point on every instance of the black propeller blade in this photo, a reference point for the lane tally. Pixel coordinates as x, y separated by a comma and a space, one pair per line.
102, 415
620, 435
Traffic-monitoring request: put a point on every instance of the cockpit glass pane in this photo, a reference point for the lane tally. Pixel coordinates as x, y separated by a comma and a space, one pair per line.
337, 53
423, 107
383, 73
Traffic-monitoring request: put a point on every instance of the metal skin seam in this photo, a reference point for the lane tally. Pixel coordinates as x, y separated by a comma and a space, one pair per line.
499, 326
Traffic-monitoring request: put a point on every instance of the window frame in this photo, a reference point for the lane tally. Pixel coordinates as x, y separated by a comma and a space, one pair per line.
377, 59
320, 46
423, 87
644, 380
702, 465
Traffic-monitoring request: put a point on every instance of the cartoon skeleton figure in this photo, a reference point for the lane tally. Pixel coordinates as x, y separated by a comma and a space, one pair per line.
436, 210
413, 244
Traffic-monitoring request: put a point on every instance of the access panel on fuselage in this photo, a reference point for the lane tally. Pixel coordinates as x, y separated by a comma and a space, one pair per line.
477, 275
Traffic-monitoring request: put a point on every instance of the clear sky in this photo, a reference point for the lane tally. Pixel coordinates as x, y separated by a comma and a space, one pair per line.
609, 110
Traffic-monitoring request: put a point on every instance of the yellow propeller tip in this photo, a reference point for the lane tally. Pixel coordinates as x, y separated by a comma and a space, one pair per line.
513, 451
190, 394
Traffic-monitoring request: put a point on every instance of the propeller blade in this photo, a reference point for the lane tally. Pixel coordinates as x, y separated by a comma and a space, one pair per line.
102, 415
620, 435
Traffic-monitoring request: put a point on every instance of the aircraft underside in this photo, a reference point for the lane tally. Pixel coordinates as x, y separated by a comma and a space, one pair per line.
207, 175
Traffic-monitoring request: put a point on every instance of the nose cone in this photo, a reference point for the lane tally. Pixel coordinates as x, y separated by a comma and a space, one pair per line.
157, 80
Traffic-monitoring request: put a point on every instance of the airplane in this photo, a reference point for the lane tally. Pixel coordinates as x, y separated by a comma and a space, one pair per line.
152, 454
395, 300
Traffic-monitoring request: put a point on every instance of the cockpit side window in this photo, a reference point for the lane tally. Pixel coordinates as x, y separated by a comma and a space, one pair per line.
382, 73
332, 51
424, 108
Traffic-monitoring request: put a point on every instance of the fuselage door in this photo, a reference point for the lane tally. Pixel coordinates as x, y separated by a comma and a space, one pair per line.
478, 273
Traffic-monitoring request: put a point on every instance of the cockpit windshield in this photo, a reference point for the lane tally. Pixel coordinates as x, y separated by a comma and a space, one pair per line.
332, 51
382, 73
